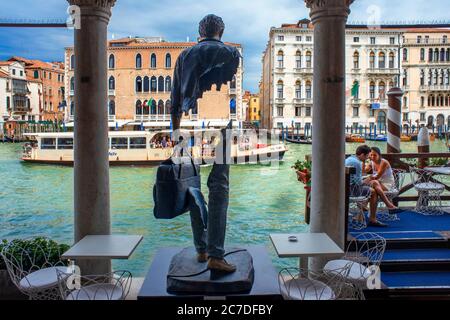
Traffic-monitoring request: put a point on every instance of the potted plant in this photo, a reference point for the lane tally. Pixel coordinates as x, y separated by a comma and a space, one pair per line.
303, 169
34, 247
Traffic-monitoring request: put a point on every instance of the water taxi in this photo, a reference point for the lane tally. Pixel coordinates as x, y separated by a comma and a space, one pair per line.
150, 148
355, 138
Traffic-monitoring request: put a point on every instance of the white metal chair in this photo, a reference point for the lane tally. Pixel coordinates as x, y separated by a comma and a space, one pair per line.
429, 192
364, 253
358, 201
399, 178
32, 268
112, 286
303, 284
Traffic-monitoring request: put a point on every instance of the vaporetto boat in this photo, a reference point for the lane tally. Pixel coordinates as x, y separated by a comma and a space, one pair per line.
149, 148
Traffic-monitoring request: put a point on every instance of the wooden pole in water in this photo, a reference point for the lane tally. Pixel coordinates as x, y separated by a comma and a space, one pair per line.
394, 120
423, 145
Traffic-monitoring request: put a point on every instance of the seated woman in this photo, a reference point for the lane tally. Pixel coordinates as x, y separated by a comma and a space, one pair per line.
382, 178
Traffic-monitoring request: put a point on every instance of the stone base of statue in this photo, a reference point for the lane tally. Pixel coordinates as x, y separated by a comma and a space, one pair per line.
187, 276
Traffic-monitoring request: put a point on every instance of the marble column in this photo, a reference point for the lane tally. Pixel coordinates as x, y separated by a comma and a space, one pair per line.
328, 179
91, 164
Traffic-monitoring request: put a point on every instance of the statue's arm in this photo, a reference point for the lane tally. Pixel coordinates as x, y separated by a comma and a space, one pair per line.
175, 96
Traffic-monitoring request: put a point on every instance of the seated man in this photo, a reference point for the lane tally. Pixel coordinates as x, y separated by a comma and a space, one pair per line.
356, 181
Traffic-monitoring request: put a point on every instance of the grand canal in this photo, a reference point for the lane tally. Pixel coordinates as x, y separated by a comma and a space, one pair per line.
38, 200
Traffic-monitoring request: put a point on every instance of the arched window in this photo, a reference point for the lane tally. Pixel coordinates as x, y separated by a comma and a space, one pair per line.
112, 62
298, 60
72, 84
146, 107
8, 102
422, 54
356, 60
139, 107
391, 60
442, 77
138, 61
381, 121
280, 89
444, 39
168, 107
435, 77
422, 102
436, 55
112, 108
405, 77
308, 59
430, 121
308, 89
447, 77
153, 84
447, 98
168, 61
429, 101
405, 54
138, 84
280, 59
372, 60
298, 90
440, 119
382, 91
433, 101
405, 102
161, 84
372, 90
146, 84
442, 54
72, 62
422, 77
153, 61
168, 84
72, 108
233, 83
233, 106
160, 107
153, 107
381, 60
355, 90
112, 83
448, 55
36, 74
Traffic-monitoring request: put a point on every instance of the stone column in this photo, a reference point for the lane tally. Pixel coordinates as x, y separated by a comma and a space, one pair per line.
91, 164
328, 179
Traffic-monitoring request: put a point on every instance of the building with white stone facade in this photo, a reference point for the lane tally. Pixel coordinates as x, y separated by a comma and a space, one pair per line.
374, 64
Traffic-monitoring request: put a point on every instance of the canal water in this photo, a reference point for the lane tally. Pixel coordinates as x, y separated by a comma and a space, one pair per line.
37, 200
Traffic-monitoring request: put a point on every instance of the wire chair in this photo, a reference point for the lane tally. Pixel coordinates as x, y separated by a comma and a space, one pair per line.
364, 253
30, 269
429, 192
111, 286
358, 201
303, 284
399, 178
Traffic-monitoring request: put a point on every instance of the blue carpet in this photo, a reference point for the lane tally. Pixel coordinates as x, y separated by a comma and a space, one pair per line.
416, 279
417, 254
406, 235
413, 221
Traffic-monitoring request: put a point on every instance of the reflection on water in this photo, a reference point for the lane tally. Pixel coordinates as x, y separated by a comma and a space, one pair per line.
37, 200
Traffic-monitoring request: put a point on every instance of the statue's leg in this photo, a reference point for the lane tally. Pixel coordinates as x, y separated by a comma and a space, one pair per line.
218, 184
198, 227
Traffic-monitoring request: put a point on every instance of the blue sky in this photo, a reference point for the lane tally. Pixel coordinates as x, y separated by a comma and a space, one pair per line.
247, 22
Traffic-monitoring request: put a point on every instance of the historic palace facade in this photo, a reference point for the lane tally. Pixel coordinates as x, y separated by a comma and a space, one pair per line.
140, 72
376, 60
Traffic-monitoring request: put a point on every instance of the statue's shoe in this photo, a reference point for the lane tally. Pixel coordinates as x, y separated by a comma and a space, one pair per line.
220, 265
202, 257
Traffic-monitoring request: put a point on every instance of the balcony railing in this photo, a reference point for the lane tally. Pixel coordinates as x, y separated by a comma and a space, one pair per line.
356, 101
436, 87
152, 117
232, 91
233, 116
383, 70
279, 100
194, 117
304, 70
111, 117
111, 92
306, 101
426, 41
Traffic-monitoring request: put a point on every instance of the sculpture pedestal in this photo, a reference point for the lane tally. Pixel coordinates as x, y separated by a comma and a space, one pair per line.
265, 284
188, 276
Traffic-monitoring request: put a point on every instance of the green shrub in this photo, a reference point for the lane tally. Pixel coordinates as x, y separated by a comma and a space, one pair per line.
35, 248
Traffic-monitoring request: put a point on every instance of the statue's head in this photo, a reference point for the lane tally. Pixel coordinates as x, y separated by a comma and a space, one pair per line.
211, 26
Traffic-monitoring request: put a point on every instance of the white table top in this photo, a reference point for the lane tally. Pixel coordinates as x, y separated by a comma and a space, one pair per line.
308, 245
104, 247
439, 170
